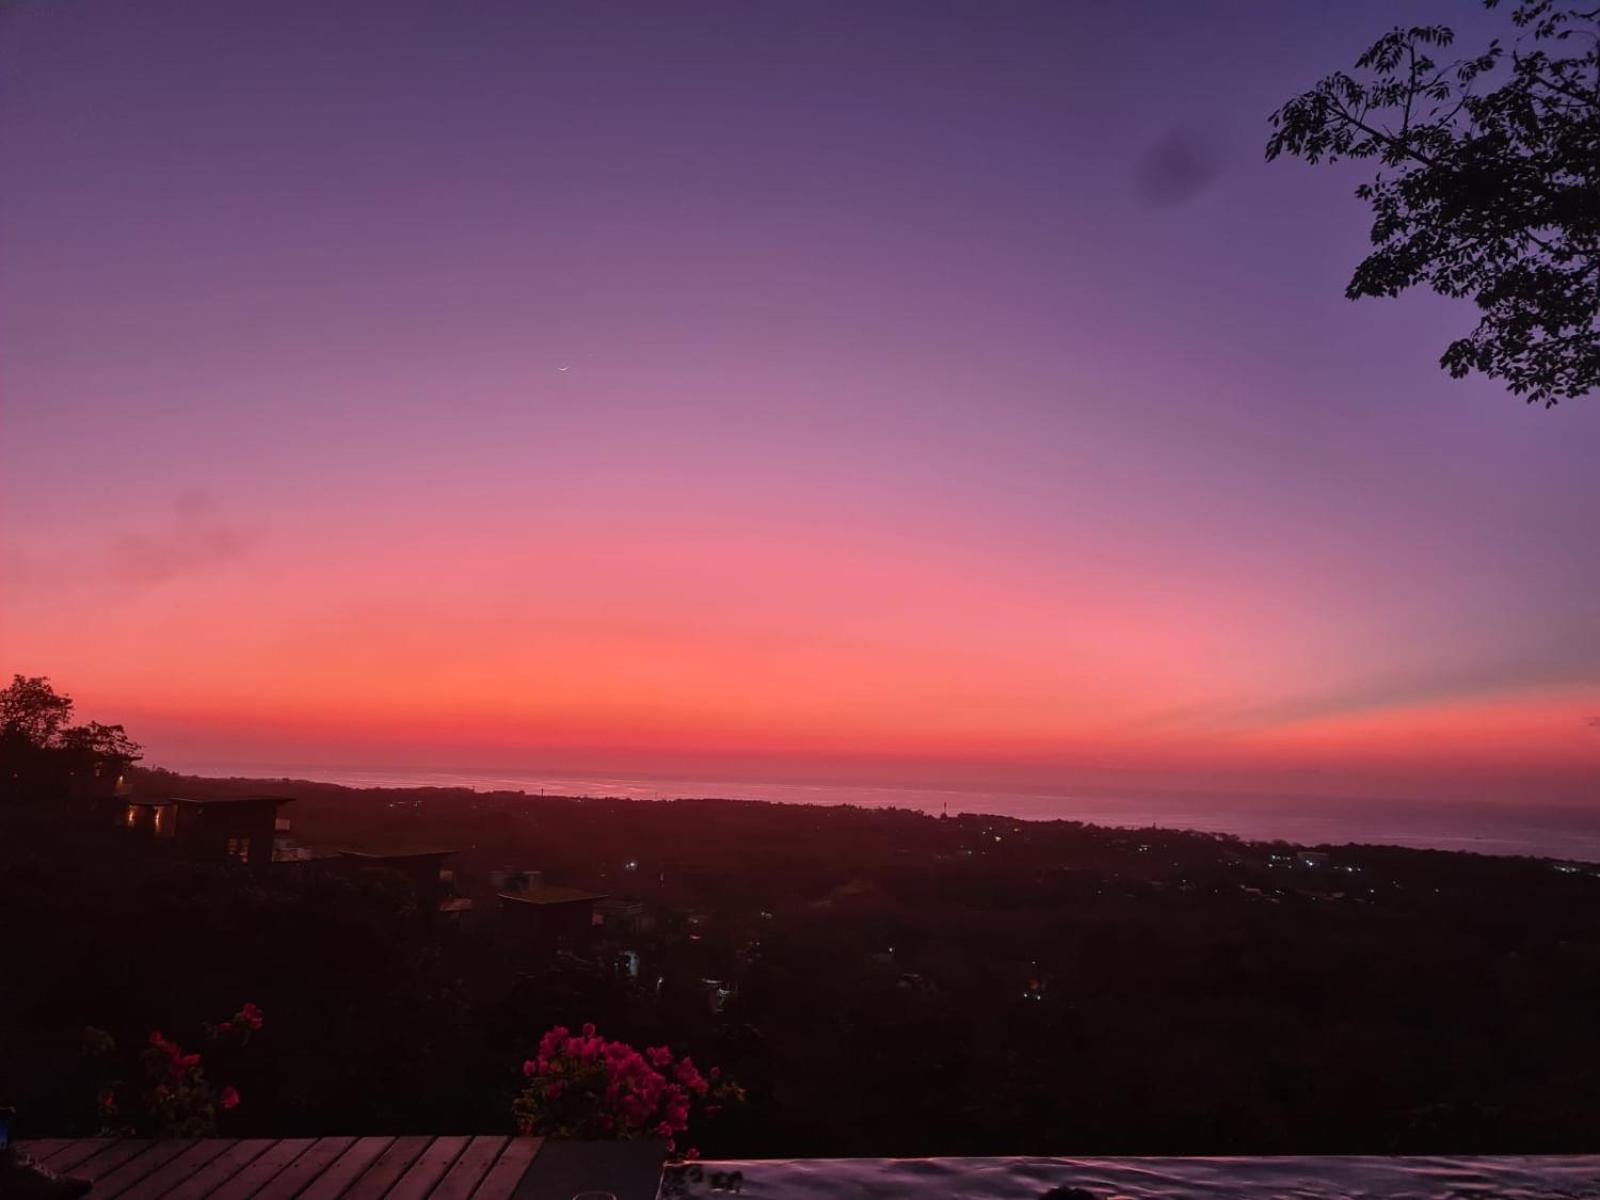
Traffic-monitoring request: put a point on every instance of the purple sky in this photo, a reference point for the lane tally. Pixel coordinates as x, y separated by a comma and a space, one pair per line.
942, 381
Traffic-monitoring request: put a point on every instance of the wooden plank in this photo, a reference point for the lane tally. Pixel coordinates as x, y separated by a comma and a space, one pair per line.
341, 1168
164, 1178
221, 1169
74, 1152
346, 1169
288, 1183
466, 1172
430, 1167
98, 1166
508, 1170
261, 1172
130, 1172
40, 1149
392, 1164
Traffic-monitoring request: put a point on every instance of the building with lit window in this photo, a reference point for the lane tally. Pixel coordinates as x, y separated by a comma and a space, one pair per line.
234, 830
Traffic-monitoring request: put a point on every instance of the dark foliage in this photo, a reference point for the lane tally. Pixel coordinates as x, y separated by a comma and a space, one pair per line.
1487, 188
898, 984
41, 754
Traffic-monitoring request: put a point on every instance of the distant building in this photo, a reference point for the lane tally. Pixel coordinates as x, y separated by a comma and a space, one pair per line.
102, 777
717, 994
155, 818
453, 908
515, 879
552, 918
425, 870
623, 917
62, 772
237, 830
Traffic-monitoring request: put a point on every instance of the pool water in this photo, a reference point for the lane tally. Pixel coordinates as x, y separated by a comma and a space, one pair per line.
1347, 1178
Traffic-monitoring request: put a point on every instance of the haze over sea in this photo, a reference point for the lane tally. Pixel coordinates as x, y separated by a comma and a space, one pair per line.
1529, 828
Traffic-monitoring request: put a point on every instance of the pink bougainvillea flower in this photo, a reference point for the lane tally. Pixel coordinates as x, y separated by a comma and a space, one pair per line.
690, 1077
608, 1088
228, 1098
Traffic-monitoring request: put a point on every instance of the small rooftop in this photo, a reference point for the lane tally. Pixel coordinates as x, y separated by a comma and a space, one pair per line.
219, 801
303, 854
552, 895
395, 855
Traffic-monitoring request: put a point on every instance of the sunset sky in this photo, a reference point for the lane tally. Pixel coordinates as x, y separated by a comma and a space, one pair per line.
821, 390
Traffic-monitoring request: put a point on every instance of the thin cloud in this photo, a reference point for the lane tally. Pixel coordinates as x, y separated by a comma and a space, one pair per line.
196, 538
1540, 663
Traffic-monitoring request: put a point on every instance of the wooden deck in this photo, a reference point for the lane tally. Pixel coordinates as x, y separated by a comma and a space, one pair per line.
330, 1168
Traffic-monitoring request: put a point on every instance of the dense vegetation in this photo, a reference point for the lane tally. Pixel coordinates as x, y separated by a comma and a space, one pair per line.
897, 984
1486, 185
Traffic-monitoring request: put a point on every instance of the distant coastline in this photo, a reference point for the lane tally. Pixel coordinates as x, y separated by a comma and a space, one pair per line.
1534, 830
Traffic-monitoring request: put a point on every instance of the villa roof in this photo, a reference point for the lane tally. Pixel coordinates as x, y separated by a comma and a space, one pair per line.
219, 801
394, 855
552, 895
203, 801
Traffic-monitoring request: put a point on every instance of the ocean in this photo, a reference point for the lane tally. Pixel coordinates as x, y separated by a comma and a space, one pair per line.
1546, 831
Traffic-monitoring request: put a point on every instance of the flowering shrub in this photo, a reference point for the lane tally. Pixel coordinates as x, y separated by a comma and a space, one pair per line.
583, 1086
239, 1026
177, 1099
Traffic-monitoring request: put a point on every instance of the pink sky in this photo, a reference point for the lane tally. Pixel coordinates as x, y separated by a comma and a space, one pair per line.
900, 433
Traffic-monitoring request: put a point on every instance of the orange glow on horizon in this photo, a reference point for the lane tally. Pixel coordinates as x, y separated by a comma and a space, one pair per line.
862, 647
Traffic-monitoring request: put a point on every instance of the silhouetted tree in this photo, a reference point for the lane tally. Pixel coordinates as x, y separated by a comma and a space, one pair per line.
42, 754
31, 710
95, 741
1488, 186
